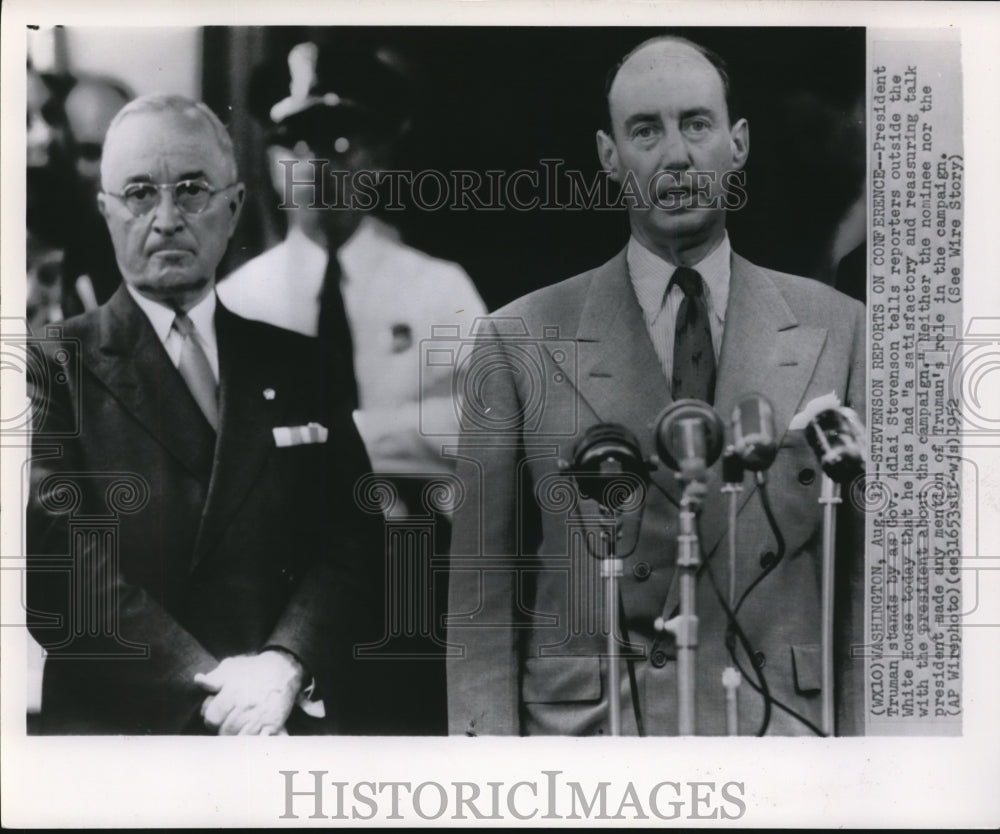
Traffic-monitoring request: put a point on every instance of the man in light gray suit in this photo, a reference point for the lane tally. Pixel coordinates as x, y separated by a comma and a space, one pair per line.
617, 344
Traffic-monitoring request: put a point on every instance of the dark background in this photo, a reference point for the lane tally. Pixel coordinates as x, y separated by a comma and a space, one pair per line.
506, 98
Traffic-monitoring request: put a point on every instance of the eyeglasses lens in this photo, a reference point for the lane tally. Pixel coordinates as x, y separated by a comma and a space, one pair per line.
189, 197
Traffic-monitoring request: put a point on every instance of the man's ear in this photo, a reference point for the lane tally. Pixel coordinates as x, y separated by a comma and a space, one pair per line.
739, 136
607, 151
236, 205
102, 205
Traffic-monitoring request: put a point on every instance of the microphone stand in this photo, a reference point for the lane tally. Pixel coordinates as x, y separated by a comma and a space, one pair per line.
605, 454
837, 438
611, 572
829, 498
732, 485
612, 569
688, 440
684, 626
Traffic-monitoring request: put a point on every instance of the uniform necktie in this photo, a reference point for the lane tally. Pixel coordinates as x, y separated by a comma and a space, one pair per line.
335, 330
694, 356
196, 371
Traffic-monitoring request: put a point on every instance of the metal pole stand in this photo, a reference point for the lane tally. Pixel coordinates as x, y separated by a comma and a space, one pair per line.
829, 498
731, 679
611, 571
731, 676
684, 626
610, 470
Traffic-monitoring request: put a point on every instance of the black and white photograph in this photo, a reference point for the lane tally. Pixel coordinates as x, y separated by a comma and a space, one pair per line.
566, 417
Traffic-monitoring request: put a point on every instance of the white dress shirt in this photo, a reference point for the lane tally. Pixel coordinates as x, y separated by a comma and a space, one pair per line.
202, 316
396, 297
650, 276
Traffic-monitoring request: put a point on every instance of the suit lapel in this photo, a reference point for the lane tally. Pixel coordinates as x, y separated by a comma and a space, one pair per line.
246, 418
764, 351
620, 375
133, 365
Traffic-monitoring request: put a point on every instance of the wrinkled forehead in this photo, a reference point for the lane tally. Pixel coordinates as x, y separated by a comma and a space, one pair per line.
666, 74
163, 146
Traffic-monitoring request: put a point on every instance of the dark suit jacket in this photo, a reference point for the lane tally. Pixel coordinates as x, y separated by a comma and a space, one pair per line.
156, 550
530, 627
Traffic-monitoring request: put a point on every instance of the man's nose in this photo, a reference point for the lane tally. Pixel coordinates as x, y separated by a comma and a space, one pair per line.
674, 155
167, 219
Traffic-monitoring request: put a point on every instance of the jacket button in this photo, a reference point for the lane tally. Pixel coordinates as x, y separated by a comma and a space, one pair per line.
658, 658
767, 559
641, 571
807, 476
758, 660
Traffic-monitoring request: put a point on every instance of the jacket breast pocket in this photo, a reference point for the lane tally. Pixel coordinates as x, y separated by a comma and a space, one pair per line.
302, 456
795, 480
558, 680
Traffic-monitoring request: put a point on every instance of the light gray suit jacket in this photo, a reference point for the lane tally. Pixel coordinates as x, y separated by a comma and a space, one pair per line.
525, 600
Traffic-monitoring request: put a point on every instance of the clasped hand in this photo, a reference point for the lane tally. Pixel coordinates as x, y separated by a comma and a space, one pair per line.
251, 694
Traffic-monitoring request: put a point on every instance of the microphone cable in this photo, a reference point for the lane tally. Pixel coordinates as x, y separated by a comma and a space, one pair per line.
775, 701
778, 537
732, 628
730, 643
633, 684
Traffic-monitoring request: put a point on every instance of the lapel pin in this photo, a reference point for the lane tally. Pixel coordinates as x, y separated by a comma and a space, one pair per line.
269, 393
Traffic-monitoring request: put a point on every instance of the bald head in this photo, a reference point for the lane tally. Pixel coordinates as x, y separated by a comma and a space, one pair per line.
670, 46
192, 116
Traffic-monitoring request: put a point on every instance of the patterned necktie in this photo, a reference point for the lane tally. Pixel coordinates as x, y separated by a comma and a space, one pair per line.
196, 371
335, 330
694, 356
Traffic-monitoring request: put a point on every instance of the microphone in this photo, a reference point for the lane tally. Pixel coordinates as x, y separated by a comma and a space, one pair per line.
753, 433
837, 437
607, 461
689, 438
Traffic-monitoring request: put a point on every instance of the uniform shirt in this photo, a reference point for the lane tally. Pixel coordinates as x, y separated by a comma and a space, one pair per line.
651, 275
395, 297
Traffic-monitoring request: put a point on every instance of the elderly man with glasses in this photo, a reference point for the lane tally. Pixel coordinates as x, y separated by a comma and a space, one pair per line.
197, 562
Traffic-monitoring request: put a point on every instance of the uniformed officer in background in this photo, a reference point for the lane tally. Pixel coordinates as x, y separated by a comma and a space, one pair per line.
331, 114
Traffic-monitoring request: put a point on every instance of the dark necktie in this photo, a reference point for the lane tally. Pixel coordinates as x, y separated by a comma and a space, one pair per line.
335, 330
694, 357
197, 372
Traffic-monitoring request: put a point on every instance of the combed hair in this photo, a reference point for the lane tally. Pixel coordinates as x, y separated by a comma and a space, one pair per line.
710, 55
171, 103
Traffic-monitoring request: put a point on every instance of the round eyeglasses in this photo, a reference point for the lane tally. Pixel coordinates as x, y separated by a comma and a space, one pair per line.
190, 196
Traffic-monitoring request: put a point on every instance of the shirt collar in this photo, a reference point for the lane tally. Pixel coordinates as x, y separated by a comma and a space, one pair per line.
651, 274
161, 316
365, 247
